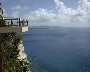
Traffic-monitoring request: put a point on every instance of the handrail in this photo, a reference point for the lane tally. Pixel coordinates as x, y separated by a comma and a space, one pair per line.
12, 19
19, 22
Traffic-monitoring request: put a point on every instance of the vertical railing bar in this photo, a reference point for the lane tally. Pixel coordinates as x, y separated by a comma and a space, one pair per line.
19, 22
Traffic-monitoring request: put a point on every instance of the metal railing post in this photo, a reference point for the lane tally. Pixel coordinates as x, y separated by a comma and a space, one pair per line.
27, 22
11, 22
19, 22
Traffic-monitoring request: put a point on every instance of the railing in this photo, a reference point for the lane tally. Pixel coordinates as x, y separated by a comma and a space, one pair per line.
15, 22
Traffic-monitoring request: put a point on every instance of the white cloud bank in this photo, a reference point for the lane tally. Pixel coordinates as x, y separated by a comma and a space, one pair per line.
15, 14
17, 9
65, 17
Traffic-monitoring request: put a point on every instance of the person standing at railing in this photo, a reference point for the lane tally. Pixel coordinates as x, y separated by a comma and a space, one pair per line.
23, 22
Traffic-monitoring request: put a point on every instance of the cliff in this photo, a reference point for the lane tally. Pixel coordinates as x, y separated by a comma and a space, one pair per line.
22, 55
14, 56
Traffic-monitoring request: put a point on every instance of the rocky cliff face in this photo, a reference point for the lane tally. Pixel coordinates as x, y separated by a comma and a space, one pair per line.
22, 55
14, 56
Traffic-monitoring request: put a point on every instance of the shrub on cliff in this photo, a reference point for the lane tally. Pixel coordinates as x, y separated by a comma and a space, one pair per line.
10, 54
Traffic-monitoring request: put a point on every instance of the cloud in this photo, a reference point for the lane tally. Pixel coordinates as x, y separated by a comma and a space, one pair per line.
24, 8
81, 12
65, 14
1, 0
18, 7
24, 0
15, 14
41, 15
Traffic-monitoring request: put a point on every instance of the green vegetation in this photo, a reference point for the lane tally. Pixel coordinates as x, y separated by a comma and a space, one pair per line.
10, 54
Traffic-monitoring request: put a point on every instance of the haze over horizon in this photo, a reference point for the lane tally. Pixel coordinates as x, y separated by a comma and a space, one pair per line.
66, 13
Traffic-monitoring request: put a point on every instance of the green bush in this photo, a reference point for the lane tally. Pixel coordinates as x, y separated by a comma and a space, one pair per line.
10, 56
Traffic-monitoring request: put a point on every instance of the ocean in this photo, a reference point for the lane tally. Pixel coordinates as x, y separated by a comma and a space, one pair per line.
58, 49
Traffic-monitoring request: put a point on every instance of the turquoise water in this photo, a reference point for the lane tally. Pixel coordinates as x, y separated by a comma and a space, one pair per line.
58, 49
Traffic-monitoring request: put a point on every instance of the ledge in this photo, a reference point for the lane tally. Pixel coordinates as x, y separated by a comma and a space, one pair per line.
13, 29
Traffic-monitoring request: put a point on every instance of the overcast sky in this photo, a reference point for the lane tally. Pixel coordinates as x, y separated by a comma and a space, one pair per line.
71, 13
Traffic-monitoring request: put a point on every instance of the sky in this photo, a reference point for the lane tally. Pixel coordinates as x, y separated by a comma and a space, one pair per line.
66, 13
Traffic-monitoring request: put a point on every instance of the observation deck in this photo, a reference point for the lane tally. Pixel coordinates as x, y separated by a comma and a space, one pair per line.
8, 25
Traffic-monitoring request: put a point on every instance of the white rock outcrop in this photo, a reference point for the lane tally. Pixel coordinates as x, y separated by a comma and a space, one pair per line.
22, 55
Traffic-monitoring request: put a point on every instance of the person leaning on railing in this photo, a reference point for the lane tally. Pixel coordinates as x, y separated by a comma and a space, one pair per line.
24, 22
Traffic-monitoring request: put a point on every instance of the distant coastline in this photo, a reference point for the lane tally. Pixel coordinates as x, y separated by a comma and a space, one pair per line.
39, 27
49, 27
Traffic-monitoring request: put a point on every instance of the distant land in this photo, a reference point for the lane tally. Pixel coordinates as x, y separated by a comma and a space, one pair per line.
44, 27
58, 27
39, 27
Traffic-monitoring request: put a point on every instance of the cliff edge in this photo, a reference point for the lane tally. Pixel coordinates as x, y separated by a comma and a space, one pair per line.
14, 56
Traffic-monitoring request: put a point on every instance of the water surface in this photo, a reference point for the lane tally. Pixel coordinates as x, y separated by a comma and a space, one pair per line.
58, 49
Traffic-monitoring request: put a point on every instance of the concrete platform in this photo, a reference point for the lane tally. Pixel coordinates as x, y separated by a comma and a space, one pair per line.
13, 29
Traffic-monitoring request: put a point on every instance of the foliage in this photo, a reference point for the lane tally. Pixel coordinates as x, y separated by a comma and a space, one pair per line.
10, 56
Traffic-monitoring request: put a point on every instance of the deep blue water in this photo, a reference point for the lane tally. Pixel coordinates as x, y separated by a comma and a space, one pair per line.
58, 49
